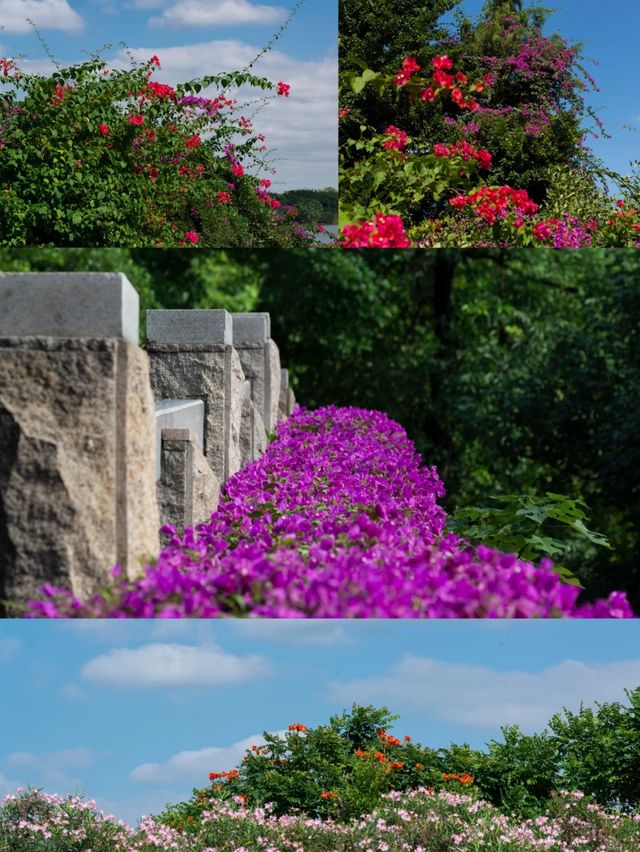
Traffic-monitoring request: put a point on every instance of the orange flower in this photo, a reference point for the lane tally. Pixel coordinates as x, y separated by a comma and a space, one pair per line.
328, 794
418, 766
397, 765
298, 727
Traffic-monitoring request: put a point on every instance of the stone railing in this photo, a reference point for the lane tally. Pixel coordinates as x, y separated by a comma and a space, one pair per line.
102, 441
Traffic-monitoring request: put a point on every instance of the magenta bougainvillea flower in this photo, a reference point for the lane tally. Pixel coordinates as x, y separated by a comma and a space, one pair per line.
338, 519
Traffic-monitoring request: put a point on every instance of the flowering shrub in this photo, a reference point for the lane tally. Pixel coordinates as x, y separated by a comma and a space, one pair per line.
337, 519
422, 820
94, 156
520, 95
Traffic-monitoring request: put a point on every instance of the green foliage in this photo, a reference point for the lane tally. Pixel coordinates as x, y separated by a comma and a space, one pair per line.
341, 770
527, 526
313, 205
92, 156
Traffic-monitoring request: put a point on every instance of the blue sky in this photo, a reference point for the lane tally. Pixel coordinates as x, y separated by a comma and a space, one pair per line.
609, 34
135, 714
197, 37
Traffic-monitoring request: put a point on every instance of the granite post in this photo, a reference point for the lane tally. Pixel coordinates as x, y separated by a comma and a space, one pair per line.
260, 361
77, 439
192, 355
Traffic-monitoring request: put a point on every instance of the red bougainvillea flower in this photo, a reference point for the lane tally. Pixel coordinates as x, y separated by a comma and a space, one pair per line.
192, 237
466, 151
343, 111
154, 61
224, 198
193, 141
385, 232
409, 68
237, 169
398, 138
494, 202
104, 129
136, 119
284, 89
442, 62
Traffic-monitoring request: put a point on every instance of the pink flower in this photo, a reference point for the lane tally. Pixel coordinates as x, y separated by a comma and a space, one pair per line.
224, 198
154, 61
284, 89
237, 169
104, 129
192, 237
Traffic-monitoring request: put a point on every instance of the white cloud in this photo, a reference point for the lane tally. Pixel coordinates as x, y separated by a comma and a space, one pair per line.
73, 692
482, 698
46, 14
161, 664
8, 648
293, 632
194, 766
73, 758
208, 13
7, 785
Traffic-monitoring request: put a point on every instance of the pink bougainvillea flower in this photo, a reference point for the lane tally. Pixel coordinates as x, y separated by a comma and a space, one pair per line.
104, 129
154, 61
284, 89
193, 141
237, 169
192, 237
136, 119
384, 232
224, 198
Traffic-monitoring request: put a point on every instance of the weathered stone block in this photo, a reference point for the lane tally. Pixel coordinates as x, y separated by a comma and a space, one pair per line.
251, 327
190, 326
253, 435
261, 365
178, 414
188, 490
212, 373
77, 484
68, 304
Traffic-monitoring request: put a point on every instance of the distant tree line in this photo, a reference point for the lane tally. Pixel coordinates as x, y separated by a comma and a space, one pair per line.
313, 205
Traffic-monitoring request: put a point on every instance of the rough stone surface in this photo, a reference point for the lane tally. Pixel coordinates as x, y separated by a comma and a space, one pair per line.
77, 484
188, 490
68, 304
261, 365
212, 373
287, 403
178, 414
190, 326
253, 435
251, 327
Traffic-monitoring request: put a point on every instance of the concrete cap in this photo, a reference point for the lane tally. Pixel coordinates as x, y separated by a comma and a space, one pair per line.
178, 414
68, 304
190, 326
251, 328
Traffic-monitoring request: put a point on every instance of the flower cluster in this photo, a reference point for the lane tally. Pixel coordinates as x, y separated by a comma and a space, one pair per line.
463, 778
565, 233
466, 151
496, 202
441, 81
384, 232
397, 140
422, 819
337, 519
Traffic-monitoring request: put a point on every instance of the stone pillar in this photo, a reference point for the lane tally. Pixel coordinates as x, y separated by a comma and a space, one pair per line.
287, 398
188, 490
192, 356
253, 435
77, 438
260, 361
